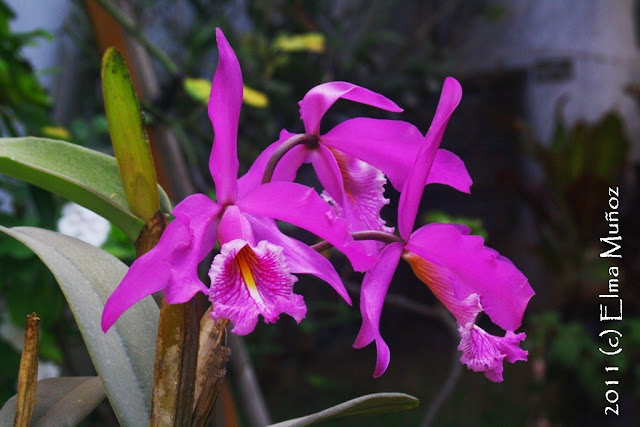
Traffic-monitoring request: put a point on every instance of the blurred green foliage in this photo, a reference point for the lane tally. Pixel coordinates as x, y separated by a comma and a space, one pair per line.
578, 165
26, 285
475, 224
572, 369
24, 104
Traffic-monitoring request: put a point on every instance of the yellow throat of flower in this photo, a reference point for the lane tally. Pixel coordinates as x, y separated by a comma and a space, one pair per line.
244, 259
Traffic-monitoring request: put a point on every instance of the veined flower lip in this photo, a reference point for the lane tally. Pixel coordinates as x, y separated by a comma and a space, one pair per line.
248, 281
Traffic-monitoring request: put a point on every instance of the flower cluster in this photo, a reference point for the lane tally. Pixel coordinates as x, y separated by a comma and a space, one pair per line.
252, 274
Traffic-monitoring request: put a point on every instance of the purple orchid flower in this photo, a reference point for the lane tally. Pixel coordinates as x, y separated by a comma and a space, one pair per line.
252, 273
351, 158
466, 276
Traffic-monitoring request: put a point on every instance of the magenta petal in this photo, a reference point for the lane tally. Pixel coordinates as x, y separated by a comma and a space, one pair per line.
200, 215
224, 112
441, 282
364, 193
373, 292
288, 166
302, 206
364, 197
388, 145
233, 226
449, 169
328, 172
414, 186
172, 264
300, 257
148, 274
471, 268
285, 170
319, 99
250, 281
253, 177
392, 146
411, 193
483, 352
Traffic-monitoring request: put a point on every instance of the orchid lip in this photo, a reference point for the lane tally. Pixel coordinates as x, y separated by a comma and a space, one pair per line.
249, 281
243, 266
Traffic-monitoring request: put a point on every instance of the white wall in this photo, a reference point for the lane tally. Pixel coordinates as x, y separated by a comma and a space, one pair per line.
598, 38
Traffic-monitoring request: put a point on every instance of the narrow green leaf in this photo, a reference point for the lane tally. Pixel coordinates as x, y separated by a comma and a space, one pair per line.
370, 404
84, 176
63, 401
128, 136
124, 356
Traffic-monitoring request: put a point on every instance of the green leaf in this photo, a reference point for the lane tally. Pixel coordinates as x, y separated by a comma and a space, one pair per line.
378, 403
128, 136
124, 356
63, 401
84, 176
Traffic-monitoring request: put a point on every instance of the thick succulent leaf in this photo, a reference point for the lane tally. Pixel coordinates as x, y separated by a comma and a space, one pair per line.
128, 136
378, 403
124, 356
61, 401
84, 176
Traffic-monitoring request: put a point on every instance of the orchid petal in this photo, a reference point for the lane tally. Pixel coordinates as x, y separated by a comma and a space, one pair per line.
225, 101
319, 99
441, 282
148, 274
172, 264
373, 292
250, 281
285, 170
468, 267
300, 257
449, 169
483, 352
414, 186
233, 226
392, 146
364, 197
302, 206
364, 190
328, 172
200, 215
388, 145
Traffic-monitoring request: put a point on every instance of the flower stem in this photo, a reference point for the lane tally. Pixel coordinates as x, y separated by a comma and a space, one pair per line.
27, 376
302, 138
213, 357
380, 236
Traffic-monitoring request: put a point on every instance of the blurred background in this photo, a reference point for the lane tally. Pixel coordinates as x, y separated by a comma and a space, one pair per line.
548, 121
